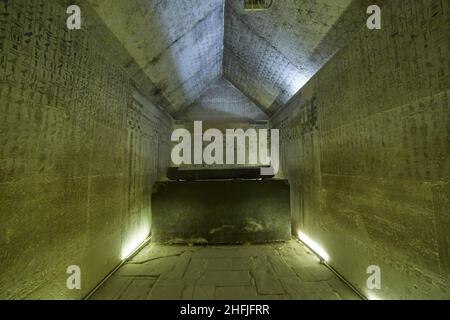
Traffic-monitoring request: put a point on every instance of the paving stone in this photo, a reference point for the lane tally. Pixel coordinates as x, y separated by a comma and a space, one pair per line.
291, 284
313, 296
190, 282
151, 268
247, 251
280, 267
204, 292
316, 295
266, 250
195, 269
210, 252
226, 278
112, 288
267, 282
293, 246
294, 261
262, 262
265, 278
236, 293
301, 290
180, 267
286, 251
241, 263
138, 289
268, 271
155, 251
219, 264
273, 297
167, 290
188, 292
268, 285
314, 273
237, 251
343, 290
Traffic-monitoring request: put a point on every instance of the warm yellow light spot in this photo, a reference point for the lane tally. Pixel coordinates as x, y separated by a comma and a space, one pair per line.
134, 242
314, 246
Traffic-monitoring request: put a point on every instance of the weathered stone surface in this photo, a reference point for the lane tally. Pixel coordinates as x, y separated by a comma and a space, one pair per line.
204, 293
195, 269
242, 263
314, 273
242, 210
182, 49
266, 280
226, 278
112, 288
269, 55
153, 252
366, 151
219, 264
280, 267
152, 268
188, 292
261, 276
85, 127
223, 102
344, 292
180, 267
138, 289
298, 261
167, 290
300, 290
74, 133
236, 293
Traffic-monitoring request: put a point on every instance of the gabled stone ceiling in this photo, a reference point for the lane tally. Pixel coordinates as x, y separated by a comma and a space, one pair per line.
222, 102
269, 55
177, 43
185, 46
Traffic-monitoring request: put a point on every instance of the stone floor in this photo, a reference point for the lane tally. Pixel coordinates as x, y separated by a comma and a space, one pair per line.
267, 271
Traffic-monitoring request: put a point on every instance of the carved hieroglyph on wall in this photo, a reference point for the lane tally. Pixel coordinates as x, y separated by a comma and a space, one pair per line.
78, 151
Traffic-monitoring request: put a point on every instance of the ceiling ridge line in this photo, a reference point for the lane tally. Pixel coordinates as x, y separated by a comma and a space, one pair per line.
159, 54
244, 68
245, 95
218, 95
251, 29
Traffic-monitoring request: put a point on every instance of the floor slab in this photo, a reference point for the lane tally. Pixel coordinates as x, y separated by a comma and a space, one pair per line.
285, 271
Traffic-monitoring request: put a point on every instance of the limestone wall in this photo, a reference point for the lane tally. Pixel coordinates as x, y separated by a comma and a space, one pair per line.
78, 151
366, 148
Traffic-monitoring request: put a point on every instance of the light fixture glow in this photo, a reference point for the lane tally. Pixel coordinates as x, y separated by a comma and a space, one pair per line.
372, 296
314, 246
134, 242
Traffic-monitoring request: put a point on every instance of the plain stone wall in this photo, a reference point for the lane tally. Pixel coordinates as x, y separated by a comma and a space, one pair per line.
78, 151
221, 211
366, 149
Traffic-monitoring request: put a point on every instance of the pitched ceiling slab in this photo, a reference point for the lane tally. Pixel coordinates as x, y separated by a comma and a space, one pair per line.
223, 102
271, 54
177, 44
183, 47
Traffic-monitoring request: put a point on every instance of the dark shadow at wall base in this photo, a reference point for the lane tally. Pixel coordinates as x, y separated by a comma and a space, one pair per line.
221, 211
